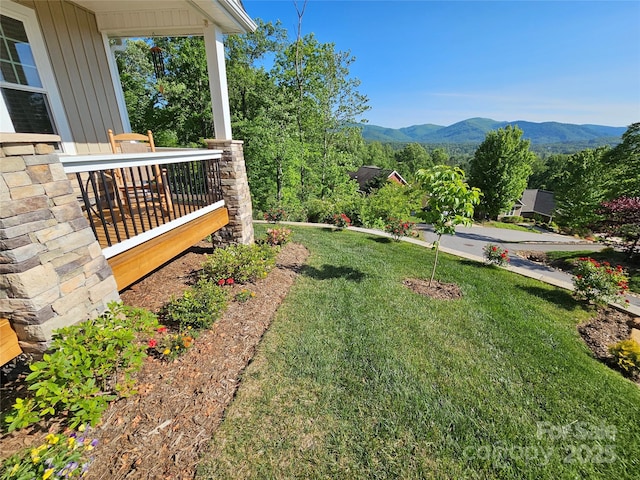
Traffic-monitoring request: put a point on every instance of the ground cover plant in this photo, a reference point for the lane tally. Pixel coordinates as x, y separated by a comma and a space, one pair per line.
360, 377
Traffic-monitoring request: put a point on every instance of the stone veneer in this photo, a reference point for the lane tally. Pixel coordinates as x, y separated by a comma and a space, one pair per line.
52, 271
235, 191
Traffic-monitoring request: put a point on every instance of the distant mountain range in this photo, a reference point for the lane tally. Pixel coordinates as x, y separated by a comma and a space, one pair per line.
474, 131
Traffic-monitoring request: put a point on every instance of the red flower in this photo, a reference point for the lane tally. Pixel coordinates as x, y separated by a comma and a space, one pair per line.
162, 329
221, 282
494, 248
229, 281
152, 343
578, 277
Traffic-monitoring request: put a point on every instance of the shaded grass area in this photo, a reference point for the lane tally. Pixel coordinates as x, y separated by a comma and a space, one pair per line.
359, 377
565, 261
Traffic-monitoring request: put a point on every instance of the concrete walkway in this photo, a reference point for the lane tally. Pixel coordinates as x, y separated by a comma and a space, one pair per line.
468, 244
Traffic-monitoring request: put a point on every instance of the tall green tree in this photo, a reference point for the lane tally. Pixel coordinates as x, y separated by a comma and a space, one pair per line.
412, 158
328, 104
580, 190
623, 165
500, 168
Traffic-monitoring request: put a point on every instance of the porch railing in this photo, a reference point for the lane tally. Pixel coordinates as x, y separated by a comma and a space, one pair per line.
131, 198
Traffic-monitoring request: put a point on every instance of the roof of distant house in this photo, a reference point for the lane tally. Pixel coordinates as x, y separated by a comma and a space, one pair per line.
538, 201
367, 173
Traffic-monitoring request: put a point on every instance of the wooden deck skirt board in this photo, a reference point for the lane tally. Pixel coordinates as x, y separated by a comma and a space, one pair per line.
138, 261
9, 347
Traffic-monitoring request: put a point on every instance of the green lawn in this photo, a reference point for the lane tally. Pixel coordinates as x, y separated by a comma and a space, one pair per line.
360, 378
509, 226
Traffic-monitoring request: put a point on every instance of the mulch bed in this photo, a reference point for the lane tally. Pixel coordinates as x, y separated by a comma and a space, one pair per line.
435, 289
160, 432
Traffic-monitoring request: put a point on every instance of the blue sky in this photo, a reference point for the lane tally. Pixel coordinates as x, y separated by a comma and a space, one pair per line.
442, 62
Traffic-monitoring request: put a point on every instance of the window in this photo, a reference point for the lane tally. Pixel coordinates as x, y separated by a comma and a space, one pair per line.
24, 97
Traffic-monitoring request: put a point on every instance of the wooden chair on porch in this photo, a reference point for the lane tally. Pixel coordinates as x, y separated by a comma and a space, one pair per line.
134, 191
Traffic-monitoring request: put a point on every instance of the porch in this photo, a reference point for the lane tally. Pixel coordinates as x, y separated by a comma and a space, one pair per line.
146, 208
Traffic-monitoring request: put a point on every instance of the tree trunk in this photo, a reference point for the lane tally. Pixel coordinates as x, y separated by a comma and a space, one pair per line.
435, 261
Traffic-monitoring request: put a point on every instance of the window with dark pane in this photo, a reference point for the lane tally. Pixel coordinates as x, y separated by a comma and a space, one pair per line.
22, 90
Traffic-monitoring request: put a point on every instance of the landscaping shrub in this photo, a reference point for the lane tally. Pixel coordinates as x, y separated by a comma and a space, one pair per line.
60, 456
87, 366
599, 282
274, 215
278, 236
400, 228
169, 346
494, 254
340, 220
627, 355
242, 263
198, 307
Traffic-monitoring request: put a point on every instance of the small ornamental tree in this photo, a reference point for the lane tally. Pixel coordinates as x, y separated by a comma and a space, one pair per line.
622, 220
450, 202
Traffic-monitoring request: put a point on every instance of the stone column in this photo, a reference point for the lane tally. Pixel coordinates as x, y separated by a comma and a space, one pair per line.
52, 271
235, 191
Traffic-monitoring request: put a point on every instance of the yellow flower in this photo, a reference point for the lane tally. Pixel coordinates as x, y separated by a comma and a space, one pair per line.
52, 439
71, 441
166, 352
47, 473
14, 469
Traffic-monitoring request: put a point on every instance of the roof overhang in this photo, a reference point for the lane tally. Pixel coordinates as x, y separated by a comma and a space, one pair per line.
126, 18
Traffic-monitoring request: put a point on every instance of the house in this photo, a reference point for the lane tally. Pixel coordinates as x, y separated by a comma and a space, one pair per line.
370, 177
78, 221
534, 202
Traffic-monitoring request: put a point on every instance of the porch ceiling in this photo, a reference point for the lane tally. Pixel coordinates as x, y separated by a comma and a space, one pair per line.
167, 17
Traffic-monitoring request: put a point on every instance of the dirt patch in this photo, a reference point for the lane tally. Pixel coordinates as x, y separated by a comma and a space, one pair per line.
161, 432
437, 290
608, 327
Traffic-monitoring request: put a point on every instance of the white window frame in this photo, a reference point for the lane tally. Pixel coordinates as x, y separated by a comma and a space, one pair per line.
49, 86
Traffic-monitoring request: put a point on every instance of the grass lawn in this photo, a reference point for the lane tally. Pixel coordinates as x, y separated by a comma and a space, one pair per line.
608, 255
360, 378
509, 226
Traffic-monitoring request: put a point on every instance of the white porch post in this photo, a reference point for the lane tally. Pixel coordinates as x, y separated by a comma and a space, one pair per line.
214, 47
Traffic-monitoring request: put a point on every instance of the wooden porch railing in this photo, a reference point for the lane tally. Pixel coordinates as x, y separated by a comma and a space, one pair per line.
146, 208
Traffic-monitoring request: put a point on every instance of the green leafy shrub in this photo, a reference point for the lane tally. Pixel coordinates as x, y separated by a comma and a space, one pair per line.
599, 282
87, 366
627, 356
198, 307
274, 215
60, 456
400, 228
242, 263
278, 236
340, 220
494, 254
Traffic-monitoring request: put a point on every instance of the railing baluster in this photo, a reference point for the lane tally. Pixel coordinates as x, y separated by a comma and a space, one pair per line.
122, 202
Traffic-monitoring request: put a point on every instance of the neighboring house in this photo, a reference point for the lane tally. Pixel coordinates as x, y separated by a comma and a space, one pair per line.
370, 177
79, 222
534, 202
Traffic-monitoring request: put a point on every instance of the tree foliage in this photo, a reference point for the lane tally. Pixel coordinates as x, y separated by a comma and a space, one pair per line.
580, 190
500, 168
622, 220
622, 165
449, 202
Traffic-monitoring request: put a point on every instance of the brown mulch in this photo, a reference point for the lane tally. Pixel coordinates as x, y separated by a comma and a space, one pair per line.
437, 290
160, 432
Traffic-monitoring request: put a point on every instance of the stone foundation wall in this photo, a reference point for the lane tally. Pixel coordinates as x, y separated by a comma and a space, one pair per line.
235, 191
52, 271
